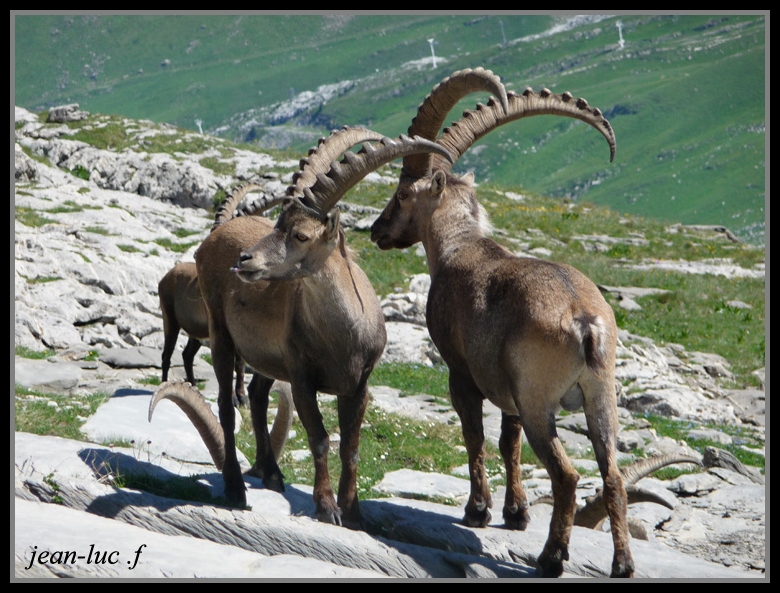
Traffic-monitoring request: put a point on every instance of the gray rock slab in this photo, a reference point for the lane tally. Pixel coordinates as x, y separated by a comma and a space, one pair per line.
417, 538
590, 551
411, 484
105, 548
40, 375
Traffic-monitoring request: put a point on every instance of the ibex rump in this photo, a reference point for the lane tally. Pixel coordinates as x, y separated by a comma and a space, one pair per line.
527, 334
183, 309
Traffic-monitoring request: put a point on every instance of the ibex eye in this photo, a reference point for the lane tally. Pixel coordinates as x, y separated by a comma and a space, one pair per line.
301, 237
402, 195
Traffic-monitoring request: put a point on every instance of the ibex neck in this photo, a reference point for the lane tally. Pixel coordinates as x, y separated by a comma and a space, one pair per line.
342, 282
448, 232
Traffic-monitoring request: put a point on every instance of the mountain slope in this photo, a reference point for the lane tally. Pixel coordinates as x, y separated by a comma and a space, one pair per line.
685, 94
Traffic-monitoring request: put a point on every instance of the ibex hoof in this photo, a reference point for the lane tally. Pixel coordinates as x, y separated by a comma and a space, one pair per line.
516, 518
329, 516
551, 564
354, 523
274, 482
623, 569
240, 400
477, 518
236, 496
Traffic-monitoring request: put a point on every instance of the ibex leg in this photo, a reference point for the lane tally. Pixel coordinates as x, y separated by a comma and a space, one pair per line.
351, 412
171, 332
305, 399
240, 398
601, 414
510, 445
543, 438
223, 358
467, 401
265, 465
188, 356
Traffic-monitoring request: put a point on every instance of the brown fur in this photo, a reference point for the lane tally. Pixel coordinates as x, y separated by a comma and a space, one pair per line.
297, 310
183, 308
524, 333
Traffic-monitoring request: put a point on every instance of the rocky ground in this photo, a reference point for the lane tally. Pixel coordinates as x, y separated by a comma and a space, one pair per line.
87, 280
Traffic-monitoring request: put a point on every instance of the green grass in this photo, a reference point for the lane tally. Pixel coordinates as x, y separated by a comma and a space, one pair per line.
34, 354
31, 218
53, 415
175, 247
43, 279
69, 206
678, 430
388, 442
413, 379
183, 488
80, 172
98, 230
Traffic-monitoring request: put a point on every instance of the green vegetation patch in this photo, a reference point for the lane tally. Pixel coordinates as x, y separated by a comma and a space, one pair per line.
31, 217
413, 379
53, 415
175, 247
741, 436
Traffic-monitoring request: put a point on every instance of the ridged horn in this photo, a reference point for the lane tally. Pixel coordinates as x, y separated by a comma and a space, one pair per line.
442, 99
225, 210
646, 466
330, 186
594, 511
197, 409
328, 149
478, 122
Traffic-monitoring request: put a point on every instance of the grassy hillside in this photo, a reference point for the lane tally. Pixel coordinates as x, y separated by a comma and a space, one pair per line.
685, 94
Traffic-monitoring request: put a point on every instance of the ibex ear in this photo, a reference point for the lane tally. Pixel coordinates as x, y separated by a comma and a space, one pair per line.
438, 182
332, 224
468, 178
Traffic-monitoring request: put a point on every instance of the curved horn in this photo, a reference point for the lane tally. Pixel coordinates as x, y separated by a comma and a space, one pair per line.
225, 210
434, 109
594, 511
329, 186
197, 409
192, 403
642, 468
284, 417
484, 119
327, 150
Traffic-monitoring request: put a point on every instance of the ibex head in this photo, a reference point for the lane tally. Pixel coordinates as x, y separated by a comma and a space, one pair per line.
307, 230
424, 177
298, 246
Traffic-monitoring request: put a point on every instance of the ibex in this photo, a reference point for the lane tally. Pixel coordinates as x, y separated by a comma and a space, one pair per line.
529, 335
183, 308
182, 304
291, 301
